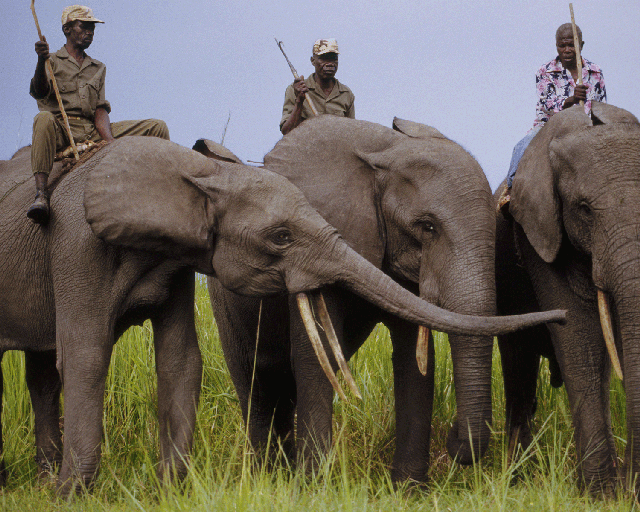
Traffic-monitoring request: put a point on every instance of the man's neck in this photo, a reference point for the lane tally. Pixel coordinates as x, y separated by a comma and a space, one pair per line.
76, 52
326, 85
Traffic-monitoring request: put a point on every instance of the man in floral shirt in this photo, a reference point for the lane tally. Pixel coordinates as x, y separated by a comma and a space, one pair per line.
557, 90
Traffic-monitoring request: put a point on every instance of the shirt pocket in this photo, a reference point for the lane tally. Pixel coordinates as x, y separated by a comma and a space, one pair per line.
69, 93
91, 96
336, 109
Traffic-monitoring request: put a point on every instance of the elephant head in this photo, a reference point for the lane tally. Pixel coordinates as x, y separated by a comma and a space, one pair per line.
418, 206
249, 227
576, 195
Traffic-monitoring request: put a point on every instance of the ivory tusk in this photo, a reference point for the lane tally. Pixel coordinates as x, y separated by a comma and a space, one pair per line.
607, 330
325, 320
422, 349
312, 331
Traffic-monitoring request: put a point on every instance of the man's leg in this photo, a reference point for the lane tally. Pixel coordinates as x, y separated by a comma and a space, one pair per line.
518, 151
149, 127
46, 138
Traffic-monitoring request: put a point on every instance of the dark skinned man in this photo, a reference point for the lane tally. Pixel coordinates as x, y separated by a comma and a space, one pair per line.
328, 95
556, 83
81, 82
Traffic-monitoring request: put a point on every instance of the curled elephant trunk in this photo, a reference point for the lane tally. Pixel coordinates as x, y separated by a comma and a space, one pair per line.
364, 279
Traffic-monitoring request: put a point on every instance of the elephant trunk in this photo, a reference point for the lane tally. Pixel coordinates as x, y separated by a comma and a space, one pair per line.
470, 290
627, 317
367, 281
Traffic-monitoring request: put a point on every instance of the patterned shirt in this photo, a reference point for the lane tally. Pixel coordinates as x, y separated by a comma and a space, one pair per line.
81, 87
340, 101
555, 84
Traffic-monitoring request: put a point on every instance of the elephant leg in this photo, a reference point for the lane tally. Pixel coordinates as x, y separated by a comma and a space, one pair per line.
314, 392
43, 381
3, 469
520, 365
86, 350
179, 371
263, 379
414, 404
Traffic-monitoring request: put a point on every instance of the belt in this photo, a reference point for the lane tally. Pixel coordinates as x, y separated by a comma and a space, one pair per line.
78, 118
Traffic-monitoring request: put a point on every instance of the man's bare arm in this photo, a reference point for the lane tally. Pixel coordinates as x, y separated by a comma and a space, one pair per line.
103, 124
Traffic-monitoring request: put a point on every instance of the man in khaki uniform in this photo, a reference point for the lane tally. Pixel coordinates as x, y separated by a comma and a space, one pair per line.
80, 80
328, 95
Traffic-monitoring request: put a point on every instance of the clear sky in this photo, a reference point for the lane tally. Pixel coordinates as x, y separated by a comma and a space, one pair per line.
466, 68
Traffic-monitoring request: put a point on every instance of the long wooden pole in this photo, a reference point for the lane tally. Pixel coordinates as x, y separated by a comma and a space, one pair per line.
296, 76
576, 44
55, 87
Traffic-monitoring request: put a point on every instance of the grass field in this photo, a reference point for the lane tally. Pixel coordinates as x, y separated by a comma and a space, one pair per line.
356, 474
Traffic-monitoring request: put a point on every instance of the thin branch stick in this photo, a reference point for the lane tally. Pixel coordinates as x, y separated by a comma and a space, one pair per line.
576, 44
296, 76
55, 87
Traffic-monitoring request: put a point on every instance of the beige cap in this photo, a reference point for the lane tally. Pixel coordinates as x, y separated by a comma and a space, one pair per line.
78, 13
325, 46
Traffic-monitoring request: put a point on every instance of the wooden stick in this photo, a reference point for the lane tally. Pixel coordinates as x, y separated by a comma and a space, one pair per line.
55, 87
576, 44
296, 76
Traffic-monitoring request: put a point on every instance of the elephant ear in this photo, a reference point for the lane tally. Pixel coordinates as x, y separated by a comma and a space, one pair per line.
323, 158
603, 113
416, 130
147, 193
534, 202
216, 151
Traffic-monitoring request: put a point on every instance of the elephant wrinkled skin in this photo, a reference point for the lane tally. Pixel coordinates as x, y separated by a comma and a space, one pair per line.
417, 206
128, 229
574, 232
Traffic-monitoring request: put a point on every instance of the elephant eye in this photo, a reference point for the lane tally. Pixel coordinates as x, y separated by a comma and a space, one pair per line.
282, 237
584, 208
427, 227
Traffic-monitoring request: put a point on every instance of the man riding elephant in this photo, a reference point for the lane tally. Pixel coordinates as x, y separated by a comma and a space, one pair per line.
558, 88
326, 93
80, 81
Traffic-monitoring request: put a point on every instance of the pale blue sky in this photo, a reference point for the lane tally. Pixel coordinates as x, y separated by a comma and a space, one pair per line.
466, 68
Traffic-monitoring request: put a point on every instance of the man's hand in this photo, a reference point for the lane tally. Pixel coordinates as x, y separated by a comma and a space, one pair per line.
579, 94
42, 49
300, 88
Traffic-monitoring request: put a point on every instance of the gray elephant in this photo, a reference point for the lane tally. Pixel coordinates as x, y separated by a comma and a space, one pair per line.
415, 205
129, 228
572, 241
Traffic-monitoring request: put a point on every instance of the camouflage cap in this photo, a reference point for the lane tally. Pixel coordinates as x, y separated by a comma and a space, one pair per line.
325, 46
78, 13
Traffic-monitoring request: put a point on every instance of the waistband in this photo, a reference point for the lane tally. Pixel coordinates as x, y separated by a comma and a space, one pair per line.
75, 118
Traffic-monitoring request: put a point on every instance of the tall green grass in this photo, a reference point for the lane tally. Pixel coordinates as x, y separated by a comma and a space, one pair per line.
355, 475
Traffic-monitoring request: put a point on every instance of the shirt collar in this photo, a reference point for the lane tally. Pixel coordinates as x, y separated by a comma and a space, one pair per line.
557, 67
62, 53
313, 85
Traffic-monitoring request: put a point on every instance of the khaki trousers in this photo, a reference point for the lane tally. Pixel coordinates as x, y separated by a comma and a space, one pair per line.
49, 135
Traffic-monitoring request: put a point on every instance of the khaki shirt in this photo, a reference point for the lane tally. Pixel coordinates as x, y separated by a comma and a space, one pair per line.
340, 101
81, 87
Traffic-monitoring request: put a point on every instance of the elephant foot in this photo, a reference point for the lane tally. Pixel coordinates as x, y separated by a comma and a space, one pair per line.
47, 470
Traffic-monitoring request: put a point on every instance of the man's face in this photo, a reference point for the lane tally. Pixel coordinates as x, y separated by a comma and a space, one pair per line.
566, 48
80, 33
326, 65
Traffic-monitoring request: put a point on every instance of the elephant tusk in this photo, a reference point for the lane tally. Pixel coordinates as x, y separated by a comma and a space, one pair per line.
325, 319
607, 330
316, 343
422, 349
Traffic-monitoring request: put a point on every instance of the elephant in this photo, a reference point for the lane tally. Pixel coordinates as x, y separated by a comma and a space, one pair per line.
571, 239
129, 229
417, 206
